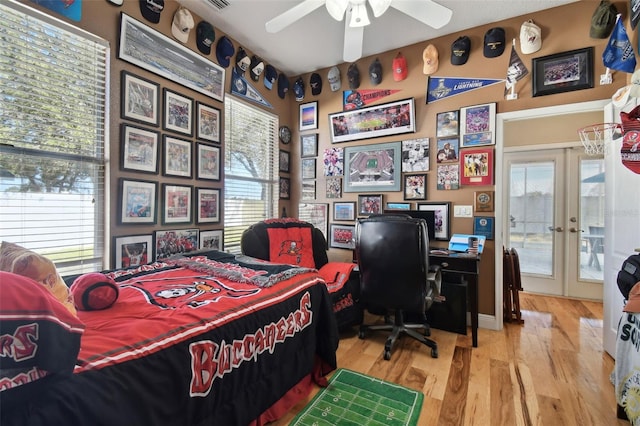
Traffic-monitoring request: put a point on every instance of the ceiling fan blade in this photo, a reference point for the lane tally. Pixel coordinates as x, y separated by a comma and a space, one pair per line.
353, 38
292, 15
426, 11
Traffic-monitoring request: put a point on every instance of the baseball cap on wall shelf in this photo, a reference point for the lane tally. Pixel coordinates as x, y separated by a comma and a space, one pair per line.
224, 51
400, 70
603, 20
182, 24
298, 89
116, 2
494, 42
315, 82
530, 37
460, 50
353, 75
430, 59
151, 10
375, 72
256, 68
283, 85
333, 76
205, 36
242, 60
270, 76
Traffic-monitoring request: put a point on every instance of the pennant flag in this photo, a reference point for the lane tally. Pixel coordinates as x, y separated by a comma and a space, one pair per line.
241, 87
635, 13
354, 99
444, 87
516, 70
618, 54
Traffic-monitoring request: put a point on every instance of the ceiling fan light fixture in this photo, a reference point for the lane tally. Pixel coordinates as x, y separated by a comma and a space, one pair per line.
337, 8
359, 15
379, 6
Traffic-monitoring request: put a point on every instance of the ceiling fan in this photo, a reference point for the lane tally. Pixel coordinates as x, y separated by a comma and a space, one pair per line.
356, 17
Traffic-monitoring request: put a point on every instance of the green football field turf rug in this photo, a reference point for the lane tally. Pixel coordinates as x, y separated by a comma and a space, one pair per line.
356, 399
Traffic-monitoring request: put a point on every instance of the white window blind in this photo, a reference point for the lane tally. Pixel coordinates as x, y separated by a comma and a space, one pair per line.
53, 80
250, 169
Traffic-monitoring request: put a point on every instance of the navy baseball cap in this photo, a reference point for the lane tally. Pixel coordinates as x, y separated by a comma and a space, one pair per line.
224, 51
298, 89
316, 84
270, 76
283, 85
151, 9
205, 35
353, 75
494, 42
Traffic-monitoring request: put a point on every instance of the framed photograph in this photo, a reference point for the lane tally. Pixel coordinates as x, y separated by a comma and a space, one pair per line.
285, 160
397, 206
333, 159
309, 145
140, 149
334, 187
140, 99
308, 168
177, 157
153, 51
342, 236
178, 113
208, 122
211, 240
447, 150
344, 210
483, 225
415, 155
415, 187
133, 250
448, 177
308, 116
563, 72
316, 214
478, 125
177, 203
372, 168
447, 124
477, 167
137, 201
308, 190
176, 241
369, 122
369, 204
285, 188
442, 212
208, 160
483, 201
208, 205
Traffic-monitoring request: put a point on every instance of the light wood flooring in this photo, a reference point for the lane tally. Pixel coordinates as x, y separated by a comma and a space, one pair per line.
551, 370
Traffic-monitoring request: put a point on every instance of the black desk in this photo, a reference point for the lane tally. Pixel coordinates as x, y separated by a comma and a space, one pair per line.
468, 266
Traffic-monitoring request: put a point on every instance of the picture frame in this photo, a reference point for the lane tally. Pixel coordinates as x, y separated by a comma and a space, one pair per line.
169, 242
316, 214
415, 187
447, 123
397, 206
484, 225
576, 68
478, 125
344, 210
342, 236
137, 201
178, 112
333, 160
369, 204
211, 240
285, 188
484, 201
308, 168
177, 157
208, 122
442, 212
334, 187
207, 205
285, 161
309, 145
476, 167
308, 116
139, 149
177, 205
132, 250
308, 190
392, 118
415, 155
448, 150
153, 51
139, 99
448, 175
365, 161
208, 162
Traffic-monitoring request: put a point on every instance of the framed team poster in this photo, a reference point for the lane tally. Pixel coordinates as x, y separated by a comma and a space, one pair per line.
133, 250
478, 125
208, 122
476, 167
208, 205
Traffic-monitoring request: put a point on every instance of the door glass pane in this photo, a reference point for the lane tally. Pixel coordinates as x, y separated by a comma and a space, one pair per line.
591, 218
531, 211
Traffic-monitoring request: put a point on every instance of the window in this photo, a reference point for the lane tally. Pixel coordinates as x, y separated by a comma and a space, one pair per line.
250, 169
52, 138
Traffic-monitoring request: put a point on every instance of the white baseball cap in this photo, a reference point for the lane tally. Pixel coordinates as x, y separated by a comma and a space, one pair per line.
182, 24
334, 79
530, 37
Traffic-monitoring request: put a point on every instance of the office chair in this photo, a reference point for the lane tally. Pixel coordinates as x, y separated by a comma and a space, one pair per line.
395, 278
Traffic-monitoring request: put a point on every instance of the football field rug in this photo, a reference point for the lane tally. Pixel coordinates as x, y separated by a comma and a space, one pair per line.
356, 399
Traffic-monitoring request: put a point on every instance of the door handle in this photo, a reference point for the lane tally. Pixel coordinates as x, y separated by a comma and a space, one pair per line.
557, 228
572, 229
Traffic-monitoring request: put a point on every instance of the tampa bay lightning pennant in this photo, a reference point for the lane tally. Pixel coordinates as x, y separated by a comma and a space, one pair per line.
444, 87
241, 87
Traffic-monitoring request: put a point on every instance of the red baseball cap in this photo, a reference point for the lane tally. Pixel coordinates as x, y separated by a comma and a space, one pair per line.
400, 70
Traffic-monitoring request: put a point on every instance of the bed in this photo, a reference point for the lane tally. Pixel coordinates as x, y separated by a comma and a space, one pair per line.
209, 338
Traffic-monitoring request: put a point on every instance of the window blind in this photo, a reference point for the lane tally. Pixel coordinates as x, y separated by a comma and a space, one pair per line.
53, 82
250, 169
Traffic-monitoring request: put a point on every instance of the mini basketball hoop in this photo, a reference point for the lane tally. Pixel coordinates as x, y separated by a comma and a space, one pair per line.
594, 136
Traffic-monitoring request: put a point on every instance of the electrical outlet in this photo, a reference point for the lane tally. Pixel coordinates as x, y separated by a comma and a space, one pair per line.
462, 211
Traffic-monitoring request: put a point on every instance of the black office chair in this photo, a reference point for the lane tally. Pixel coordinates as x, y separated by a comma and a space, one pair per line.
395, 278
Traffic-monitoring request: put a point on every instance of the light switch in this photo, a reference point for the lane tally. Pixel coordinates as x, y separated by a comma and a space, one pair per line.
462, 211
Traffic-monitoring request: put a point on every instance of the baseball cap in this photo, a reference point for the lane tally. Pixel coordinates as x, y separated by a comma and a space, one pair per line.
205, 35
182, 24
494, 42
603, 20
353, 75
256, 68
151, 9
270, 76
298, 89
316, 84
224, 51
333, 76
242, 60
399, 67
375, 72
116, 2
530, 37
283, 85
635, 84
430, 58
633, 303
460, 50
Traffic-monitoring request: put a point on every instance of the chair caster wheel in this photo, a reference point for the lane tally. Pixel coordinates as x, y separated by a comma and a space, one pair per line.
361, 334
434, 353
387, 355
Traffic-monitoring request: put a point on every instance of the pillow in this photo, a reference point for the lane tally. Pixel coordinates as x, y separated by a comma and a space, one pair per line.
94, 291
22, 261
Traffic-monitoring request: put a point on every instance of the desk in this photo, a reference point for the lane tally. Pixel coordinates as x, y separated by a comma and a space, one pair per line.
468, 266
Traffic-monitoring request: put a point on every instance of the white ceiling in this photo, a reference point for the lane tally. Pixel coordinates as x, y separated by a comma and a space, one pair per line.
316, 41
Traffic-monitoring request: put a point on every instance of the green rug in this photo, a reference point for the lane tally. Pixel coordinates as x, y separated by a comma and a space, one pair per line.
356, 399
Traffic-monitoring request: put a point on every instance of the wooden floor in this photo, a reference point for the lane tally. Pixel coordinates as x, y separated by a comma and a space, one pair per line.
551, 370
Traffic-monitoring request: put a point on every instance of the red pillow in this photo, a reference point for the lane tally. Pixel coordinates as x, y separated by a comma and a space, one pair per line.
94, 291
